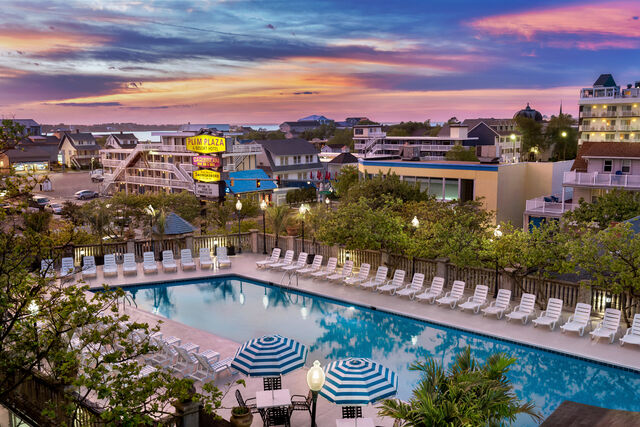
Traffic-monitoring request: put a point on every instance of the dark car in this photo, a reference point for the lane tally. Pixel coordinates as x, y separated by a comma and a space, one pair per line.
86, 194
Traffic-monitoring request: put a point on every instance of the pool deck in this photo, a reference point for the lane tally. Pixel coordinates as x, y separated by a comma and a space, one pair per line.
244, 265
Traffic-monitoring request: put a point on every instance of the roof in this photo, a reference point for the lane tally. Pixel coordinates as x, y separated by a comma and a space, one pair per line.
44, 139
288, 147
28, 153
344, 158
222, 127
78, 137
250, 186
605, 80
174, 225
26, 122
124, 136
303, 123
315, 117
589, 149
635, 224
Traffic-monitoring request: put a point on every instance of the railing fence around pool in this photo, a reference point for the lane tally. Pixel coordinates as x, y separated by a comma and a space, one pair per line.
570, 292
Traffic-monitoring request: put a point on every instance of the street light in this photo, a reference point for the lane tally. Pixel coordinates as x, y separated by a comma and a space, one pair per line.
263, 207
497, 233
238, 209
513, 139
303, 210
315, 381
564, 145
415, 223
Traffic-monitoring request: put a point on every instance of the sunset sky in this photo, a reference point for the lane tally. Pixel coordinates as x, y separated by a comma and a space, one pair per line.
222, 61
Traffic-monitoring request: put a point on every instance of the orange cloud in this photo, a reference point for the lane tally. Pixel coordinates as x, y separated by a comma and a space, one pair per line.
45, 41
617, 18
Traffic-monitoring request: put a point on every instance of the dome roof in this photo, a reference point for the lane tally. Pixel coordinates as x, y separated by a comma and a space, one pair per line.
529, 113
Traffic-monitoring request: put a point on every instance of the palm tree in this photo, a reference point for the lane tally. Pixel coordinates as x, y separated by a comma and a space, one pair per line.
278, 218
470, 393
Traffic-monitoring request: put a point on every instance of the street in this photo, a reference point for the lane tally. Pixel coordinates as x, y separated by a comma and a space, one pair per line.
65, 185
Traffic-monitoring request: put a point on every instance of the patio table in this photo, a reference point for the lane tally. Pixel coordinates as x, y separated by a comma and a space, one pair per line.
351, 422
273, 398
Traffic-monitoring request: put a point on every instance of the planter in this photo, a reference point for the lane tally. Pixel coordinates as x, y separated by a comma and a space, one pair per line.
243, 420
310, 258
99, 259
231, 250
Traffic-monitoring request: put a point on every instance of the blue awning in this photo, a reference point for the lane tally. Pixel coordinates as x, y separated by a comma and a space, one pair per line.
242, 186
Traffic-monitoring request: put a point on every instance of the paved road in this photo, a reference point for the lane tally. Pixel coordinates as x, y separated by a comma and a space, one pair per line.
65, 185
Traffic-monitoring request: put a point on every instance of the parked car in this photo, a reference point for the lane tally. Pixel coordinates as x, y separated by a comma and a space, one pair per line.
86, 194
56, 208
97, 178
39, 202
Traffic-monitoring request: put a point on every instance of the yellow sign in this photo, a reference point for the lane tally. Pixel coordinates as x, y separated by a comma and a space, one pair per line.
206, 144
206, 175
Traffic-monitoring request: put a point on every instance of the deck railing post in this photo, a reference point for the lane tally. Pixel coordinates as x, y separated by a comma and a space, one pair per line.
254, 240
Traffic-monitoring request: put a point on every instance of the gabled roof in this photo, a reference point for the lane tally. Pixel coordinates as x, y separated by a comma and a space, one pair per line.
28, 153
605, 80
81, 137
174, 225
26, 122
288, 147
124, 136
629, 150
344, 158
250, 186
314, 117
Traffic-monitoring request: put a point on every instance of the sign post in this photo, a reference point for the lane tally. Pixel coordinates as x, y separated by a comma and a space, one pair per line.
209, 161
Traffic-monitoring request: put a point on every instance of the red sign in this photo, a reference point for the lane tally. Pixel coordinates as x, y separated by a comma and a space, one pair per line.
206, 161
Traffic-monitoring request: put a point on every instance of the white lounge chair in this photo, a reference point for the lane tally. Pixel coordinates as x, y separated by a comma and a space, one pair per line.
165, 355
208, 368
478, 299
378, 280
500, 305
329, 269
414, 287
110, 268
149, 264
346, 271
430, 295
551, 315
288, 259
315, 266
273, 259
632, 336
609, 326
129, 265
525, 310
395, 283
363, 275
454, 295
186, 260
46, 268
299, 264
205, 259
168, 263
579, 321
222, 259
185, 363
89, 270
66, 267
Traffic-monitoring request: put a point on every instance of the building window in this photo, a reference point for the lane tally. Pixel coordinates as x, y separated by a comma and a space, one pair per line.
608, 166
626, 166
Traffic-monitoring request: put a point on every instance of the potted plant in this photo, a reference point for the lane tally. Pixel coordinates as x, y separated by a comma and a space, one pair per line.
241, 416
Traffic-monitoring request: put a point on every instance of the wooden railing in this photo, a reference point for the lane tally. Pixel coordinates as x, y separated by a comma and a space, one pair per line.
118, 249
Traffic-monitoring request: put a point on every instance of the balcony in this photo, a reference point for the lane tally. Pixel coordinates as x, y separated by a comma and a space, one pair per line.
600, 180
158, 182
548, 206
631, 113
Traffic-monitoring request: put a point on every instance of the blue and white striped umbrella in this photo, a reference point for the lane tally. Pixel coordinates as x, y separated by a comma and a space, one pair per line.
358, 381
269, 356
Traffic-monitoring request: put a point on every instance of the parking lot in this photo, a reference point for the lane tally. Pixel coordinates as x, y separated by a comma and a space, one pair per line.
65, 185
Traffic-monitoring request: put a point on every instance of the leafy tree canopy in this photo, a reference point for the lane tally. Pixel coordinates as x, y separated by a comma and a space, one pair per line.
460, 153
532, 135
560, 135
381, 188
615, 206
408, 128
347, 178
342, 137
260, 135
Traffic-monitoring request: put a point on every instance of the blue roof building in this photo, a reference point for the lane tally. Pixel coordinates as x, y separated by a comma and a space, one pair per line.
175, 225
240, 186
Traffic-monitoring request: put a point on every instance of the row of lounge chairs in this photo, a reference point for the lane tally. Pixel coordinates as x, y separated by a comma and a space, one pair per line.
525, 311
130, 267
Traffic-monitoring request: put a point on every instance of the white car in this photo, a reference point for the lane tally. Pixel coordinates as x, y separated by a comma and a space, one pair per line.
56, 208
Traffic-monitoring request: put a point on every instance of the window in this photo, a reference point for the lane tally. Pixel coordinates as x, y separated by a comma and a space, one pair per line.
608, 166
610, 137
284, 160
359, 131
626, 166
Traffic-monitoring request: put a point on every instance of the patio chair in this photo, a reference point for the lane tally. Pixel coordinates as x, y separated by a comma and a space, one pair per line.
129, 265
110, 268
394, 284
288, 259
551, 316
478, 299
149, 264
346, 271
186, 260
414, 287
278, 416
378, 280
363, 274
186, 363
66, 267
273, 259
609, 326
352, 412
299, 264
272, 383
632, 336
454, 295
209, 365
168, 263
330, 268
222, 259
500, 305
314, 267
246, 403
300, 402
433, 292
526, 309
205, 259
89, 270
46, 268
165, 356
579, 321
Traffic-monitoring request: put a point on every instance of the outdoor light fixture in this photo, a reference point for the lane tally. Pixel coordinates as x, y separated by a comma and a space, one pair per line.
303, 210
263, 207
315, 381
497, 233
415, 222
327, 202
238, 209
513, 137
564, 134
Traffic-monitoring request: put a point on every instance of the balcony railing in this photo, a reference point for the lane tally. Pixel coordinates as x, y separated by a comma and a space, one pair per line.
541, 206
595, 179
158, 182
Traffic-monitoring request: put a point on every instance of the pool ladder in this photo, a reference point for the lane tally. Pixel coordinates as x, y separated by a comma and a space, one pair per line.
288, 277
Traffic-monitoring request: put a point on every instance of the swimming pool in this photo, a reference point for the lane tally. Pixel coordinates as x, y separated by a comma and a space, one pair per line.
240, 309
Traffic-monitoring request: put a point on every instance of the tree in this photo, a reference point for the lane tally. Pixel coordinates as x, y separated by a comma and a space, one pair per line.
219, 214
262, 134
342, 137
408, 128
11, 133
615, 206
460, 153
347, 177
278, 217
380, 189
470, 393
562, 136
532, 136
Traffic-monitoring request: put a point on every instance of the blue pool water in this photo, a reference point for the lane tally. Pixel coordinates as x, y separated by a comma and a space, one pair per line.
239, 309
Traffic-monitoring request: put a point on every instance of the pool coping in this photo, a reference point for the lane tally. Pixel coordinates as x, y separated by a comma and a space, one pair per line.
387, 310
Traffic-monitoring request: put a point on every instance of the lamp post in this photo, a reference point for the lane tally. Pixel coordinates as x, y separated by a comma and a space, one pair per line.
315, 381
497, 233
303, 210
263, 207
415, 223
564, 144
327, 202
513, 139
238, 209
